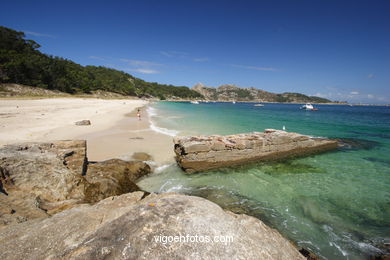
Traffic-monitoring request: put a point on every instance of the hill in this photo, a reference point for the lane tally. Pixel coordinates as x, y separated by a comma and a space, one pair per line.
232, 92
22, 63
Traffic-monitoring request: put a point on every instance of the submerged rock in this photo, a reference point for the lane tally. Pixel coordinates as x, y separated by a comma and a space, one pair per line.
142, 156
129, 227
40, 179
356, 144
201, 153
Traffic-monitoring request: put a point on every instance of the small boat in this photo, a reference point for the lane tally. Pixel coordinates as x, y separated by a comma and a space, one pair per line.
308, 106
195, 102
234, 102
258, 105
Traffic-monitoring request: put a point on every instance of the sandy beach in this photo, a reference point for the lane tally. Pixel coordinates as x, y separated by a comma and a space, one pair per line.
115, 131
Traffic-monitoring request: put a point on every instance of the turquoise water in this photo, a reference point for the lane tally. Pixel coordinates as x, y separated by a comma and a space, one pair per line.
336, 204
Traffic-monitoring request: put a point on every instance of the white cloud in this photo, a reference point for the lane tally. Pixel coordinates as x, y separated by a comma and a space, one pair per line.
142, 66
201, 59
143, 71
254, 67
370, 76
353, 96
39, 34
96, 58
141, 63
174, 54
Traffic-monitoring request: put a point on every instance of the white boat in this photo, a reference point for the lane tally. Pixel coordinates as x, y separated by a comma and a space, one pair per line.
195, 102
258, 105
308, 106
234, 102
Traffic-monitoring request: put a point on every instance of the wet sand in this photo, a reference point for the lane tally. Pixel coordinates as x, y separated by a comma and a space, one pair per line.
127, 136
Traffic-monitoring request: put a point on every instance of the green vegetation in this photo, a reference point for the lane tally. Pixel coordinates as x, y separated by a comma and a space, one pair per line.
243, 94
298, 97
21, 62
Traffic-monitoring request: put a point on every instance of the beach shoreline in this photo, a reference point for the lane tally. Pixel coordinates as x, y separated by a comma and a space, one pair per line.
130, 135
115, 132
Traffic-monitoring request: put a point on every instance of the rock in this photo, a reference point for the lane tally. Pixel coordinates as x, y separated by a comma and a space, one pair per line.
142, 156
129, 227
308, 255
83, 122
113, 177
384, 254
201, 153
41, 179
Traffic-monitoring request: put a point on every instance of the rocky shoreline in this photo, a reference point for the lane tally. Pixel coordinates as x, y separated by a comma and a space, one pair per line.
202, 153
55, 204
38, 180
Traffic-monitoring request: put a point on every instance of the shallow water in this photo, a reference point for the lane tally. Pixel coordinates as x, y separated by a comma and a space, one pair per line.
336, 204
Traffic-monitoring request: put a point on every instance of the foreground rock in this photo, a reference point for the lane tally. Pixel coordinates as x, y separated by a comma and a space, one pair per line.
201, 153
40, 179
129, 227
113, 177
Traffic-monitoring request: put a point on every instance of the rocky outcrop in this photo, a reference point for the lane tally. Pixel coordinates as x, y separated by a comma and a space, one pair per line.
201, 153
129, 227
40, 179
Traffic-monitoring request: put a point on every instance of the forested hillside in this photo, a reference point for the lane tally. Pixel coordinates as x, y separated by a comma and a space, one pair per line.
21, 62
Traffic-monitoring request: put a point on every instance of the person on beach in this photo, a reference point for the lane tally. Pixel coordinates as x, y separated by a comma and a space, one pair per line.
139, 114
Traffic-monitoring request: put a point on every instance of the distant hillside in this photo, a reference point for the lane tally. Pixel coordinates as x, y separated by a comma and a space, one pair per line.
232, 92
22, 63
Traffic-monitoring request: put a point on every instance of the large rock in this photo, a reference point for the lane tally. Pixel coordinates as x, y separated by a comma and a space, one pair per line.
201, 153
129, 227
113, 177
40, 179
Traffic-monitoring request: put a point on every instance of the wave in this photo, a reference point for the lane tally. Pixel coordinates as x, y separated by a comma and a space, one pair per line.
162, 168
162, 130
153, 113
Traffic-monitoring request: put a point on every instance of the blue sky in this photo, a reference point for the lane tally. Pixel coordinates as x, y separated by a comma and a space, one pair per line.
335, 49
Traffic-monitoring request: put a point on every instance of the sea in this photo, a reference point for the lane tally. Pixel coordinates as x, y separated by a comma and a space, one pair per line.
335, 204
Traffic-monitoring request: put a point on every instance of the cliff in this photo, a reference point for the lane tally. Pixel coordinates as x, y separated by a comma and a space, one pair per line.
232, 92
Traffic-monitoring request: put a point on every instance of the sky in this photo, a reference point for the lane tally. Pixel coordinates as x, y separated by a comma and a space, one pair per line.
334, 49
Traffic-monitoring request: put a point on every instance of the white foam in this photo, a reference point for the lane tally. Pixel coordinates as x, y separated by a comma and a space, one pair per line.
153, 113
161, 168
339, 248
162, 130
175, 188
165, 184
